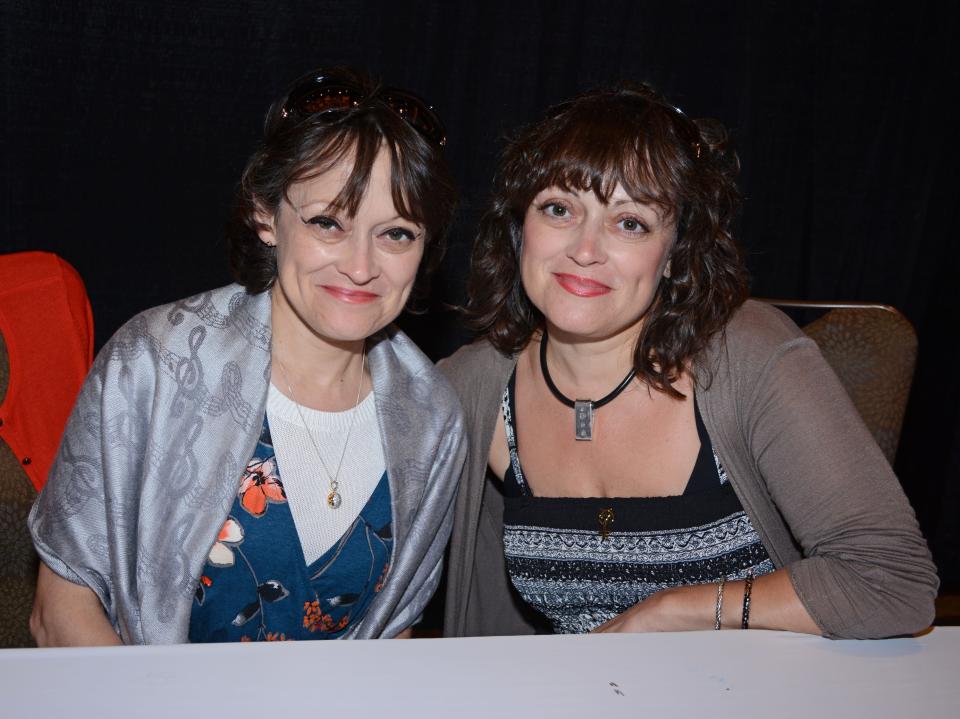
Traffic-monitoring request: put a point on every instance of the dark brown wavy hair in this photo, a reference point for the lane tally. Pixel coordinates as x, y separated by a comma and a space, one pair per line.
294, 149
631, 136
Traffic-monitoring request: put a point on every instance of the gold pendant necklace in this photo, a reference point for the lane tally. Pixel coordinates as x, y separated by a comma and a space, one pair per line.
334, 499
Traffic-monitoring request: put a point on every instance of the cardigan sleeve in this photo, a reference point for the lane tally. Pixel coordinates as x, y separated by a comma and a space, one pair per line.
866, 570
480, 600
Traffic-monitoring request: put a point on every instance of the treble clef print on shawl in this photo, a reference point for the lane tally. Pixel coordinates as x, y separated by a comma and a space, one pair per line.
171, 571
189, 373
228, 397
120, 428
200, 305
182, 460
72, 496
193, 305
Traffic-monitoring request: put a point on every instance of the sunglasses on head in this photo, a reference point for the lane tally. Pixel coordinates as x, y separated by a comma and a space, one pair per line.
323, 93
687, 127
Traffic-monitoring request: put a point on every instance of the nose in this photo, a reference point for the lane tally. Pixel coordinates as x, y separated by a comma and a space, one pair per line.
359, 261
586, 246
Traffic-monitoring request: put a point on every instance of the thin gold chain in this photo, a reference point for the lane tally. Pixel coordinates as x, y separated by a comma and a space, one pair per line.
333, 497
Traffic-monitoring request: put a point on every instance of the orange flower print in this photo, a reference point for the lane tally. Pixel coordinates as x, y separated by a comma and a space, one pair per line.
221, 554
260, 484
278, 637
316, 621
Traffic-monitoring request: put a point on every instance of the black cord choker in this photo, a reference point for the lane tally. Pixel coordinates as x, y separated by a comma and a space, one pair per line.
582, 408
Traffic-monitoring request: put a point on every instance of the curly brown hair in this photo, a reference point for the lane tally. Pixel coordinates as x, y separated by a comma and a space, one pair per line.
631, 136
295, 148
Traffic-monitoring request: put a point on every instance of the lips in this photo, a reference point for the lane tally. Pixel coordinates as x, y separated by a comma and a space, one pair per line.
581, 286
354, 297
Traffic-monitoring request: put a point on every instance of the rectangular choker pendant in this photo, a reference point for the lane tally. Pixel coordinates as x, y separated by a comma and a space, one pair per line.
583, 419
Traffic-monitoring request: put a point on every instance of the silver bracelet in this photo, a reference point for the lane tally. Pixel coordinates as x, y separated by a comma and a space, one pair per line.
719, 613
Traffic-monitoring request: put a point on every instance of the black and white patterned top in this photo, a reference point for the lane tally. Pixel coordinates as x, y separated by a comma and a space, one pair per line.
565, 568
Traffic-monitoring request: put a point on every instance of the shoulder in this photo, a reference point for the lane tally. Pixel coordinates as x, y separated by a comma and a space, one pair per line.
761, 325
756, 334
210, 327
478, 373
219, 310
475, 363
392, 352
224, 310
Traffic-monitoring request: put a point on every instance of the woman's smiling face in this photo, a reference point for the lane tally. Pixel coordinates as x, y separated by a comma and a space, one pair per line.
342, 278
592, 267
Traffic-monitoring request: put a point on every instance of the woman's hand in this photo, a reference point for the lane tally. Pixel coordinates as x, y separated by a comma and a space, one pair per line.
774, 605
672, 610
68, 615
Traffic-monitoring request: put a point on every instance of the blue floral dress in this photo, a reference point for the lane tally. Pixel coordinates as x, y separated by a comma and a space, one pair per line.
256, 584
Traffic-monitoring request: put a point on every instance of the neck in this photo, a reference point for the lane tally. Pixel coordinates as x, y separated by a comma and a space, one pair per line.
587, 369
312, 370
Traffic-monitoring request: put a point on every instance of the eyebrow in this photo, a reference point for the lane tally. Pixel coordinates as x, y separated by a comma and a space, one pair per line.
400, 217
326, 204
631, 201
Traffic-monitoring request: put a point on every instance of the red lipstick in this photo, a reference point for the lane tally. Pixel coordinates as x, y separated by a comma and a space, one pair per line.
353, 297
581, 286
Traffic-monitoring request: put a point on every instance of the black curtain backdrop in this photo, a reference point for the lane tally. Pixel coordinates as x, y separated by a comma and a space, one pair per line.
126, 126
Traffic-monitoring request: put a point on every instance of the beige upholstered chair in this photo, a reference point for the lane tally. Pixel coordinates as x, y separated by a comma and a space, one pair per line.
873, 350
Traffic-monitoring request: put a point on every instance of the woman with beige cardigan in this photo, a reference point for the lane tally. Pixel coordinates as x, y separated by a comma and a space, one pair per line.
650, 450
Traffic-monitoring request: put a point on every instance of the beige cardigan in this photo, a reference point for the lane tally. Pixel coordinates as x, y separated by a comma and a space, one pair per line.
818, 489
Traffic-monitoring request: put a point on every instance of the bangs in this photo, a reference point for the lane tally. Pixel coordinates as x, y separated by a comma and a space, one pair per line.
361, 143
595, 148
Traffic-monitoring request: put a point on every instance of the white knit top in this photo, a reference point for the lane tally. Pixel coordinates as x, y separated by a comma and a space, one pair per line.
304, 479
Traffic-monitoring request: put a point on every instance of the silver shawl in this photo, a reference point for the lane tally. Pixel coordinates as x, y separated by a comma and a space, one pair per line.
154, 450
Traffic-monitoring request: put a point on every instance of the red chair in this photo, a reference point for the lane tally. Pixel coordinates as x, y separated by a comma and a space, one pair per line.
46, 348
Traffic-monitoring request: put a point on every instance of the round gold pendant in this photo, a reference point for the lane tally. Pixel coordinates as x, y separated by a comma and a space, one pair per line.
333, 499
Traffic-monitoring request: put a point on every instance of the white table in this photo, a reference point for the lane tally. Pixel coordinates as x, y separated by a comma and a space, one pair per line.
694, 674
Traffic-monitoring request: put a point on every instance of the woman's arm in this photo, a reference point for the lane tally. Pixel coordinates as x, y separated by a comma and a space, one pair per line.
68, 524
866, 571
802, 460
773, 605
811, 477
68, 615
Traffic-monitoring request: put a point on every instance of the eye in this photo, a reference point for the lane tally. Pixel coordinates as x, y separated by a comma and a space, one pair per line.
398, 239
555, 209
632, 225
400, 234
322, 222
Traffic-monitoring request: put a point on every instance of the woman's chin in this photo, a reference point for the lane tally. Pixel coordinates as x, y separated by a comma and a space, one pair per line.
344, 333
584, 329
342, 330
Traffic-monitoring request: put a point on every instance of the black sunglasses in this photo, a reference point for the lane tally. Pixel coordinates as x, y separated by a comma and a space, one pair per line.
323, 92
